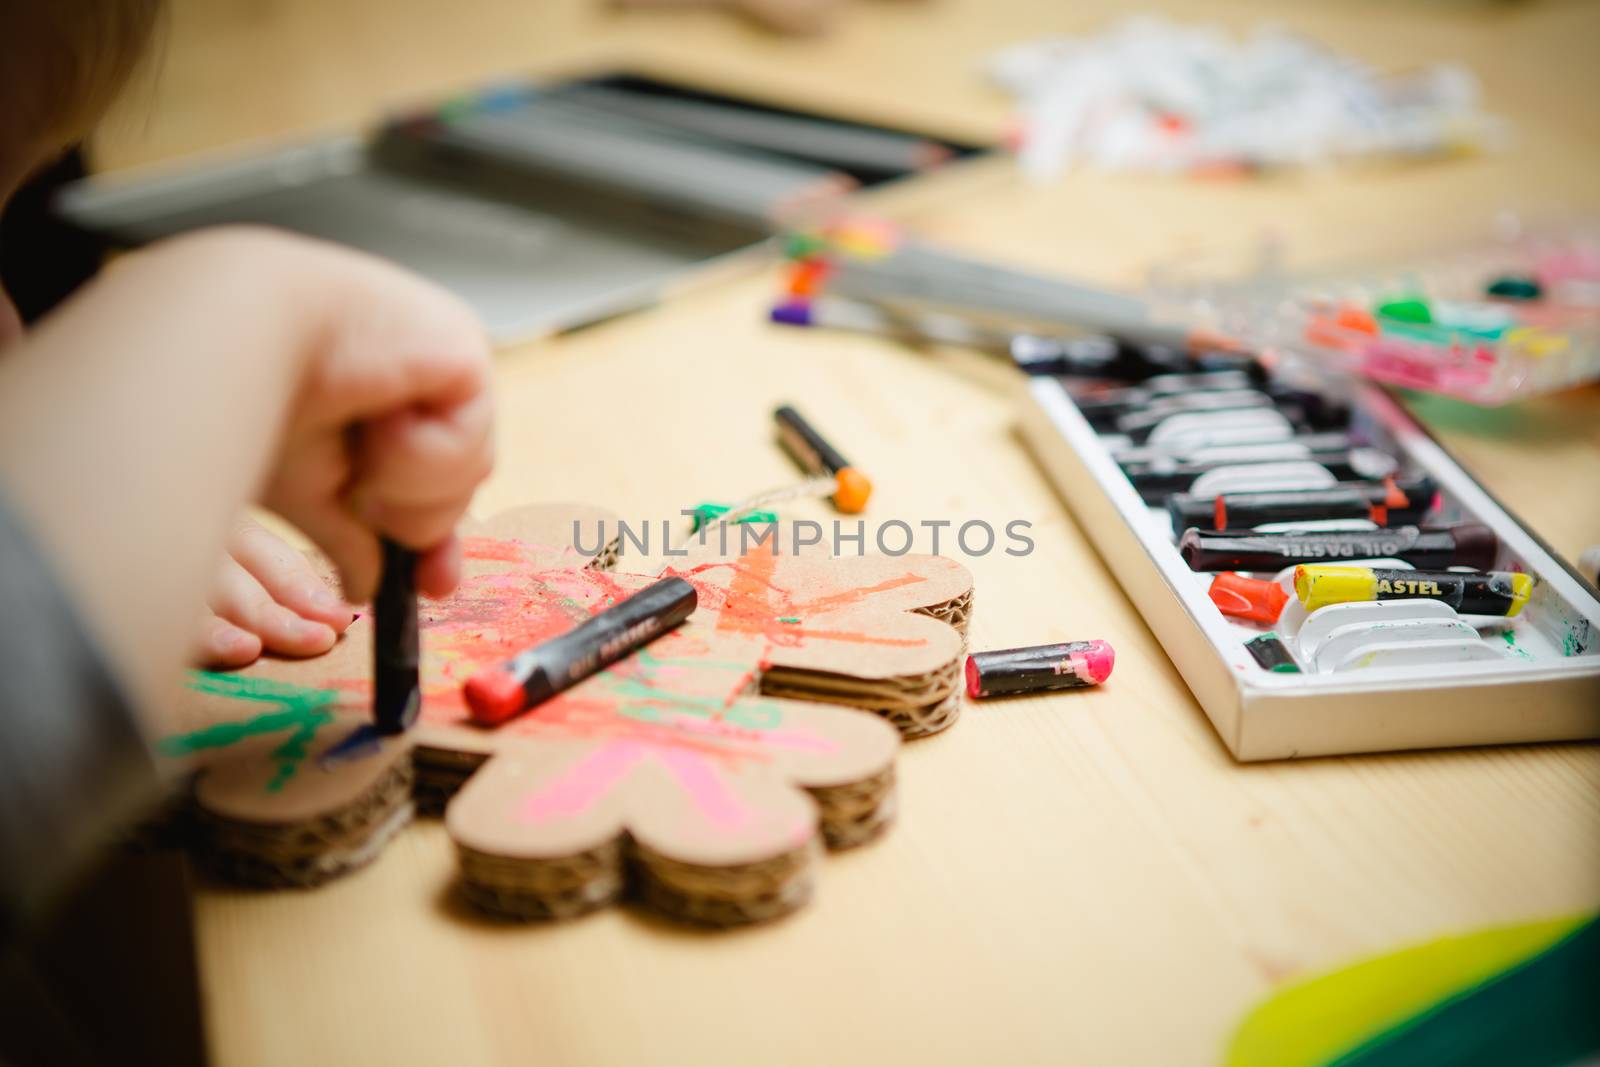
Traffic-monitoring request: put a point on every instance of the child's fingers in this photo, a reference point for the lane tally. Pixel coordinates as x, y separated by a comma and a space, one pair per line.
419, 458
429, 525
350, 543
399, 342
439, 569
245, 602
287, 575
223, 645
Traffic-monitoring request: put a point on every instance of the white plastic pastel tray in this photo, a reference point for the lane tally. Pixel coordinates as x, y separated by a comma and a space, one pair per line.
1533, 678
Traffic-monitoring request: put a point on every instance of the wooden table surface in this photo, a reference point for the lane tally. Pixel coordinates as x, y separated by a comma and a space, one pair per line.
1079, 878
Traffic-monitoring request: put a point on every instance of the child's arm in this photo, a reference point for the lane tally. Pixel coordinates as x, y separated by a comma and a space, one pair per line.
188, 380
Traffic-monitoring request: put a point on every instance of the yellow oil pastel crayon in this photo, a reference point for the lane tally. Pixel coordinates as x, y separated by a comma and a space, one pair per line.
1490, 593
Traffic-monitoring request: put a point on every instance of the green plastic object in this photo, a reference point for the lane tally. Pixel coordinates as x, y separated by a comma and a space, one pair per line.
1514, 287
1407, 309
801, 245
704, 514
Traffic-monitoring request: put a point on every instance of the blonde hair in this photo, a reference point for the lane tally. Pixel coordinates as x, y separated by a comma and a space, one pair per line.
63, 61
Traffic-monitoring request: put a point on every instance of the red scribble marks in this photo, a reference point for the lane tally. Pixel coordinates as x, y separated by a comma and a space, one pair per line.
510, 550
493, 616
749, 608
856, 596
612, 591
795, 635
495, 551
755, 605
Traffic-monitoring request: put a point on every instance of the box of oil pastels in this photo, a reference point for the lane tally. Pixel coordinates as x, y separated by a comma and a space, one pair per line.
1325, 577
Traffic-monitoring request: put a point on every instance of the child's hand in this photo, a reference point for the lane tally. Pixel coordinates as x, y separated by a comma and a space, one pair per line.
391, 430
268, 599
227, 368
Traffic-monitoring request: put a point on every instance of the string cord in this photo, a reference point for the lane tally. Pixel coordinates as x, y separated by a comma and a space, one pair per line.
821, 485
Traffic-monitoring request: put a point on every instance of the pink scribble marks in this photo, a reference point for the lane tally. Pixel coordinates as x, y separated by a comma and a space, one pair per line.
496, 614
595, 713
707, 790
583, 783
587, 781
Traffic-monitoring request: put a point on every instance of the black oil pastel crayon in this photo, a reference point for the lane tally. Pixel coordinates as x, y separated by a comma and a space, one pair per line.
1157, 480
1201, 360
396, 654
1296, 447
1120, 358
1392, 502
534, 676
1199, 381
1096, 356
1134, 407
1315, 411
817, 457
1071, 665
1069, 357
1468, 544
1138, 425
1170, 390
1217, 359
1270, 652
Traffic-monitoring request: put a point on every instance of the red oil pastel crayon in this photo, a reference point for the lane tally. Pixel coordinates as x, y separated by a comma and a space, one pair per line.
534, 676
1239, 597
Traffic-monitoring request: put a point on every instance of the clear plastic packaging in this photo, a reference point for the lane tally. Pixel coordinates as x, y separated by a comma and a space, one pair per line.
1499, 320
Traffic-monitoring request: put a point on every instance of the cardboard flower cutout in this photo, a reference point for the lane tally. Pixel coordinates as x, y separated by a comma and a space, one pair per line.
701, 774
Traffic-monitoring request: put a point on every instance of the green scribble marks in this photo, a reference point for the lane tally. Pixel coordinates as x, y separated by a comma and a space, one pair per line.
652, 662
224, 734
302, 712
790, 618
752, 715
747, 714
264, 690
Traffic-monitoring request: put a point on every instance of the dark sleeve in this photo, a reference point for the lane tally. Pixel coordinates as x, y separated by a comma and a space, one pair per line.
73, 764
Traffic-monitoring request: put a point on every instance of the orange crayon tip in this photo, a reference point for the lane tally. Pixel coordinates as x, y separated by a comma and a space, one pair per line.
852, 488
806, 277
1358, 319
